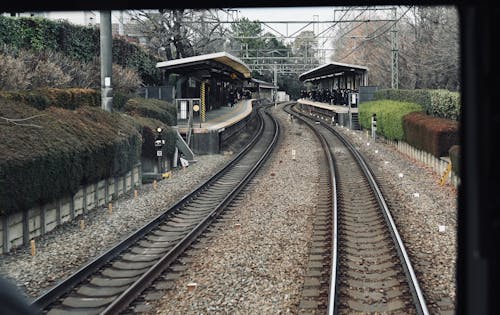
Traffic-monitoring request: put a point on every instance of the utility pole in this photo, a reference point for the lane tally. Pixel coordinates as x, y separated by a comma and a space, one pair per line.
275, 81
106, 61
394, 51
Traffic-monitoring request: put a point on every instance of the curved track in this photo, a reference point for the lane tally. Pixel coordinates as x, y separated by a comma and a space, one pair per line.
370, 271
110, 283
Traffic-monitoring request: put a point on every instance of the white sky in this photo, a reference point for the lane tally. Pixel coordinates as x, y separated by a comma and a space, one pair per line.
261, 14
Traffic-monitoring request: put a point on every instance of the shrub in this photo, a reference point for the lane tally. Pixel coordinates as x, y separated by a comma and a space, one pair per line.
389, 116
438, 103
78, 42
64, 98
431, 134
152, 108
13, 74
59, 150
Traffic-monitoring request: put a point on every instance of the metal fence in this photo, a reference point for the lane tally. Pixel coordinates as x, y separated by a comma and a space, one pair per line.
164, 92
367, 93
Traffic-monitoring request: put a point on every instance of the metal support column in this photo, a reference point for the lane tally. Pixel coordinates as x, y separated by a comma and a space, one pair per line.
394, 54
106, 61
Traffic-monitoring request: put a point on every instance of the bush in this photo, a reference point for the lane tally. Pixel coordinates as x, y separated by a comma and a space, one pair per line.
78, 42
389, 116
58, 150
64, 98
438, 103
431, 134
152, 108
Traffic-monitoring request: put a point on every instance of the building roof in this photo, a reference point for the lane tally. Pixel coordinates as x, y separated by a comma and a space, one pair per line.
264, 84
330, 70
214, 63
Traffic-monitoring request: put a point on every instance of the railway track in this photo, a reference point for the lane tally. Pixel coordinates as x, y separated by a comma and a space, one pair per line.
114, 280
370, 271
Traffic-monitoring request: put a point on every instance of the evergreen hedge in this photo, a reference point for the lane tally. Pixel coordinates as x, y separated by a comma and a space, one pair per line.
59, 150
65, 98
431, 134
152, 108
79, 42
437, 103
389, 116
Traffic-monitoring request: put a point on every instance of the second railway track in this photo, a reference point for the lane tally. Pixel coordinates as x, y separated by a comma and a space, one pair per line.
111, 282
370, 271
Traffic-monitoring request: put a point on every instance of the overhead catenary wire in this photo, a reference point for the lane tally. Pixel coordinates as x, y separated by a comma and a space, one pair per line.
376, 36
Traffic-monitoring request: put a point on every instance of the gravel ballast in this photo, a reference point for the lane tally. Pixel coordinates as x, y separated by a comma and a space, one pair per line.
62, 251
425, 214
257, 268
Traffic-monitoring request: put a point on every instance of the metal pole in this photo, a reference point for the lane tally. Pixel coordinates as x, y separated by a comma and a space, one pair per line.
106, 61
275, 81
394, 52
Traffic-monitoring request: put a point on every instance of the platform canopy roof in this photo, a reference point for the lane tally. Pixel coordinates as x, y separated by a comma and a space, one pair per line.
219, 64
264, 84
331, 69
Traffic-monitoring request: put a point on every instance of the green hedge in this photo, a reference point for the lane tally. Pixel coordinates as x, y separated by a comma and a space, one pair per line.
64, 98
389, 116
59, 151
431, 134
70, 98
79, 42
438, 103
152, 108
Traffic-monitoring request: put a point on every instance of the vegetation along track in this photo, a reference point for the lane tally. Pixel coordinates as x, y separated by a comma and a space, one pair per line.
111, 282
370, 271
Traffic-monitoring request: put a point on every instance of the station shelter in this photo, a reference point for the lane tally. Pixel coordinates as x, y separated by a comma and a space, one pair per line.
205, 92
333, 89
261, 89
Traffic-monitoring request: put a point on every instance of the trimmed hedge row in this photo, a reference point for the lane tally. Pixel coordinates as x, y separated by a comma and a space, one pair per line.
152, 108
59, 150
70, 98
389, 116
64, 98
431, 134
438, 103
79, 42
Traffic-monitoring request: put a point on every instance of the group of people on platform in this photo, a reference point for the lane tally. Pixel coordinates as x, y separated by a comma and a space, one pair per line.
237, 94
335, 96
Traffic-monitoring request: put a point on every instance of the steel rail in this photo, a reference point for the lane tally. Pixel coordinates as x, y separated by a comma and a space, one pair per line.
54, 293
333, 180
418, 297
131, 293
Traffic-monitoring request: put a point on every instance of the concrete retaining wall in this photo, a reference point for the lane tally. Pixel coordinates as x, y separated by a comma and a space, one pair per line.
19, 228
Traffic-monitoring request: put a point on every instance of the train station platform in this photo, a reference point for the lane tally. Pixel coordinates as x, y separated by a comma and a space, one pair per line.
209, 136
334, 108
344, 115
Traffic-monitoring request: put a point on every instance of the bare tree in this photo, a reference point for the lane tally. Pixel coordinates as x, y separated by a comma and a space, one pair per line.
181, 33
428, 47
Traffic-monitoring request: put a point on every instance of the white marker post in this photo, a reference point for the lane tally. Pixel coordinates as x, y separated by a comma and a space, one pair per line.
374, 126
